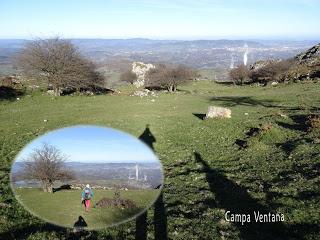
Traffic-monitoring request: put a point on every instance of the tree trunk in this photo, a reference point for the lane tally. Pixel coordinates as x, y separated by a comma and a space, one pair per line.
47, 186
57, 91
174, 88
170, 88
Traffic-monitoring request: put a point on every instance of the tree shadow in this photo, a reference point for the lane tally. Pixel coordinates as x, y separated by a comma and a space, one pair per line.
24, 232
289, 146
300, 123
62, 187
234, 198
231, 101
201, 116
9, 93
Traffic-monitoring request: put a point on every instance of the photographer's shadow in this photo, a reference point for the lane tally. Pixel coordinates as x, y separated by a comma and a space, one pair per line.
160, 217
234, 198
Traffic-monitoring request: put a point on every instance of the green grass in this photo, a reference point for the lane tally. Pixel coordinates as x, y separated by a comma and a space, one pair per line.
64, 207
279, 171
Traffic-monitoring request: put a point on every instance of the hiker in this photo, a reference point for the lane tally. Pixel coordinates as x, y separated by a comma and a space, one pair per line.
86, 196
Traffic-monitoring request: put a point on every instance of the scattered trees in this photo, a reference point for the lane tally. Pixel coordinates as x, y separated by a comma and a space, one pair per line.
239, 74
128, 76
168, 77
46, 164
59, 62
261, 71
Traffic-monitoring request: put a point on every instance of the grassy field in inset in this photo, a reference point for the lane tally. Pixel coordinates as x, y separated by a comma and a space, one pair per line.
277, 172
64, 207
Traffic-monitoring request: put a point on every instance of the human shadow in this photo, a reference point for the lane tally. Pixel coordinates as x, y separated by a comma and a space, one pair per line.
80, 223
147, 137
141, 226
62, 187
234, 198
201, 116
160, 217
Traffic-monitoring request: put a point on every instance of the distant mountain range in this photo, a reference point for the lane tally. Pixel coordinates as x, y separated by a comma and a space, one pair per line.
117, 54
106, 174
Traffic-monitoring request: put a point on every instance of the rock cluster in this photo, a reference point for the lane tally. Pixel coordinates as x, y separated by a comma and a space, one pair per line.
141, 69
311, 53
263, 63
144, 93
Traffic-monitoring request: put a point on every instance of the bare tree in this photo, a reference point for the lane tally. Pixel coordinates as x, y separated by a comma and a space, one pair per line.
128, 76
169, 77
46, 164
59, 62
239, 74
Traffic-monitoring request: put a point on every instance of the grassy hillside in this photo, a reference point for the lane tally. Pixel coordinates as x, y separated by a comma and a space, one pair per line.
64, 207
206, 173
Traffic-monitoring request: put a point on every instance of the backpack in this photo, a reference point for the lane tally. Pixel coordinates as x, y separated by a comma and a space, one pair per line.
87, 193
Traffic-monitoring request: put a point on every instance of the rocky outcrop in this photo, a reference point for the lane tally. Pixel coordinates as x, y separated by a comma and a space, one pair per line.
141, 69
313, 52
306, 66
263, 63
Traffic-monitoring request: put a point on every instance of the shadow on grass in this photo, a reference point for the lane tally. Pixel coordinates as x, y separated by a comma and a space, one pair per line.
25, 232
160, 217
9, 93
62, 187
201, 116
231, 101
234, 198
300, 123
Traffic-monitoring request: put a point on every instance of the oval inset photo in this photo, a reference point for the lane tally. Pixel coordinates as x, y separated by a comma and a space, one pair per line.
87, 177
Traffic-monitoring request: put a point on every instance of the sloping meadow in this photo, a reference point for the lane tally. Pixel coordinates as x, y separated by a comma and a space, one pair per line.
206, 172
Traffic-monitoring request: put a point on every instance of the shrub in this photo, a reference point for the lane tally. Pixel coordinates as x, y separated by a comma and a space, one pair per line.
239, 74
128, 76
271, 71
167, 77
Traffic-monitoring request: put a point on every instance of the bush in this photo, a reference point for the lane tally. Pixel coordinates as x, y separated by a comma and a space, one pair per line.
167, 77
271, 71
239, 74
128, 76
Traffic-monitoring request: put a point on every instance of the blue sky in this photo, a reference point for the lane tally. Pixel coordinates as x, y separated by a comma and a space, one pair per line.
93, 144
161, 19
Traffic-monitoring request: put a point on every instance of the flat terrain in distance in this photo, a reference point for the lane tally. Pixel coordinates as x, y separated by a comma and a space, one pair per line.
206, 173
64, 207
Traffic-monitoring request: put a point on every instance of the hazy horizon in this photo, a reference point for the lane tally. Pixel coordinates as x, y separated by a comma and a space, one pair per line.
171, 39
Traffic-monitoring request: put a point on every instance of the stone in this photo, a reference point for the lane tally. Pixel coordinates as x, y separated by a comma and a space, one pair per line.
144, 93
218, 112
50, 92
141, 69
274, 83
